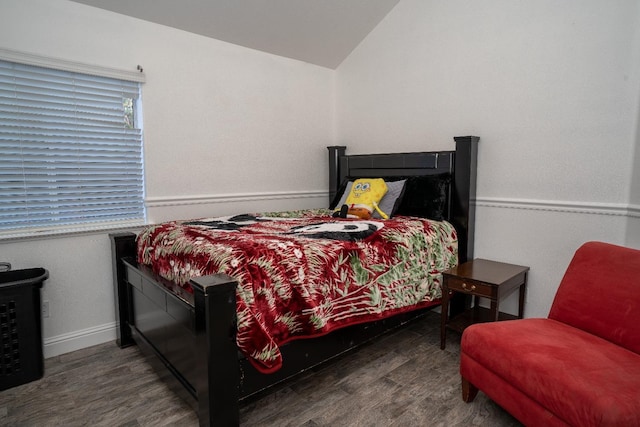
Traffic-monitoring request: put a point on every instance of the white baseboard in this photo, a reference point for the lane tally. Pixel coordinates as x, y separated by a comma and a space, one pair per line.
65, 343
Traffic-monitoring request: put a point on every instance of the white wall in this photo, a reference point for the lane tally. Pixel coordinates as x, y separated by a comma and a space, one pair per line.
551, 88
633, 225
224, 128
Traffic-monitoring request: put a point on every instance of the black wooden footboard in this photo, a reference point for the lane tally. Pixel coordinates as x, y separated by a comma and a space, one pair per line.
194, 340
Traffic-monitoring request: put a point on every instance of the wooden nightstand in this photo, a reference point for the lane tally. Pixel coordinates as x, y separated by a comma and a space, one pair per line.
481, 278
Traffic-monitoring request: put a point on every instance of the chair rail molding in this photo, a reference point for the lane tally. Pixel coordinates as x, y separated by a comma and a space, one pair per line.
593, 208
152, 202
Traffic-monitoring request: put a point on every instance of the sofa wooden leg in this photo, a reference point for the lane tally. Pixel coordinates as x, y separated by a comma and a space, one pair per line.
469, 391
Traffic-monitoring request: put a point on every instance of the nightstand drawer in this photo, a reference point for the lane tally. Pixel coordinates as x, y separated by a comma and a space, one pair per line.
471, 287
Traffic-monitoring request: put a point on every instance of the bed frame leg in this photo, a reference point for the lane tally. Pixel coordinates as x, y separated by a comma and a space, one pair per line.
123, 245
219, 387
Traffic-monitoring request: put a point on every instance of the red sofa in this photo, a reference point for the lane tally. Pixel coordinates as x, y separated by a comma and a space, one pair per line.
581, 365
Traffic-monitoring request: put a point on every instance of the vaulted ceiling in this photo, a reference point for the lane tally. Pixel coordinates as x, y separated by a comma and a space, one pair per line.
321, 32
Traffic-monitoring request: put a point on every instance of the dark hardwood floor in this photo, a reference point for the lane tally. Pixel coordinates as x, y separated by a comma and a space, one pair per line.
402, 379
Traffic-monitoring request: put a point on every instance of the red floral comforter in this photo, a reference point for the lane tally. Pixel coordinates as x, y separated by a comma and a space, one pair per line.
304, 273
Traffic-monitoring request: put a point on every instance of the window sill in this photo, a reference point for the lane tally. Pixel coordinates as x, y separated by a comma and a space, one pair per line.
67, 231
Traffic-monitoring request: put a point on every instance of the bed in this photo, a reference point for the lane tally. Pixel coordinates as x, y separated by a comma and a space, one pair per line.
189, 328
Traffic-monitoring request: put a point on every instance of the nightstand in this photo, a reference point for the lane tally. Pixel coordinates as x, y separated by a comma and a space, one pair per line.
480, 278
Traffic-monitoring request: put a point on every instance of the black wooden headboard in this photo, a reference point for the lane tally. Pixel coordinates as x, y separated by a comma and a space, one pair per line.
460, 163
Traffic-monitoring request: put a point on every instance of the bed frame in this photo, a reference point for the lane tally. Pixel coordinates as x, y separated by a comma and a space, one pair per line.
190, 338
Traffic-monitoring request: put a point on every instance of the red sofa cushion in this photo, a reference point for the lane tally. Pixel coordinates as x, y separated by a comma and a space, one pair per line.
511, 399
600, 293
580, 378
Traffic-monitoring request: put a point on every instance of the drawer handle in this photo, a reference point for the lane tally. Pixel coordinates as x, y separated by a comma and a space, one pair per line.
467, 287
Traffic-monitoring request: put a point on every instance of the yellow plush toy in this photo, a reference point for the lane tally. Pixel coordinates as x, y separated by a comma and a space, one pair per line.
364, 197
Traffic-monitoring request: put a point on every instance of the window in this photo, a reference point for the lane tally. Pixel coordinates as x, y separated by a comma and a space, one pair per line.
70, 151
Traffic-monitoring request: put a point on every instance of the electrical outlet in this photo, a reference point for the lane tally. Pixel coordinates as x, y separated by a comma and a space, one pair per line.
45, 308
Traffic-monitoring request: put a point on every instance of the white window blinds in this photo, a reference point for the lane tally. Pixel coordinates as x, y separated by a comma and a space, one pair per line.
70, 151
